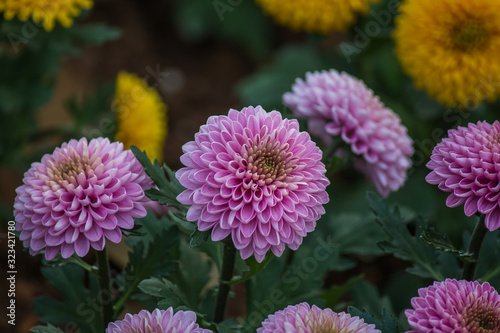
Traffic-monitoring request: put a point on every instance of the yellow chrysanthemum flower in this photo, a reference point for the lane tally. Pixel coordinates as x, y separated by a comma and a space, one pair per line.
141, 115
315, 16
451, 48
45, 11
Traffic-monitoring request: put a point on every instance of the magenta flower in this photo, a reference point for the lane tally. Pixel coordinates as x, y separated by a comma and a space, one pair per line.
159, 321
467, 164
337, 104
455, 306
80, 195
304, 319
256, 177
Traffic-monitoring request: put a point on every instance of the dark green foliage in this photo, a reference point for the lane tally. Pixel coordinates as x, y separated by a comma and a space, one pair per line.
402, 243
227, 22
46, 329
168, 187
80, 306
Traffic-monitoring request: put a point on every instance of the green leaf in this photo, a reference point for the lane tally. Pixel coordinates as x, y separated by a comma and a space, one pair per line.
95, 33
253, 267
154, 254
388, 323
80, 307
228, 326
401, 243
296, 276
193, 274
168, 292
356, 233
164, 178
333, 295
198, 237
156, 258
185, 285
46, 329
150, 227
366, 296
365, 315
443, 243
487, 267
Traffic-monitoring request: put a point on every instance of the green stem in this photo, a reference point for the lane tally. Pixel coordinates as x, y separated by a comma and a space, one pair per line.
125, 296
78, 261
105, 284
224, 281
476, 240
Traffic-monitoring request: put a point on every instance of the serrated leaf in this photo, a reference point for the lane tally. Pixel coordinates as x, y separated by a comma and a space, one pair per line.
46, 329
443, 243
198, 237
296, 276
193, 274
387, 324
356, 233
366, 296
78, 304
401, 243
179, 218
164, 178
365, 315
148, 228
168, 292
154, 254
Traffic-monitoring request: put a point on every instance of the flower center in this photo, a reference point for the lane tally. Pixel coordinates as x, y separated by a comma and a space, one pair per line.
268, 163
469, 36
67, 170
483, 320
321, 324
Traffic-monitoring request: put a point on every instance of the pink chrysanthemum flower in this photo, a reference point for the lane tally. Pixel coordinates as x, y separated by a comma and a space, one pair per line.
159, 321
337, 104
304, 319
80, 195
467, 164
455, 306
256, 177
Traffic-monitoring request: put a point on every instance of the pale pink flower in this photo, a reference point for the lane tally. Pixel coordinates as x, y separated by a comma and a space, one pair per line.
302, 318
158, 321
455, 306
337, 104
253, 175
79, 196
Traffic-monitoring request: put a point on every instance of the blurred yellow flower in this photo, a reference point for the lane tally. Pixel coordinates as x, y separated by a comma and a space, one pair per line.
141, 115
315, 16
451, 48
45, 11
